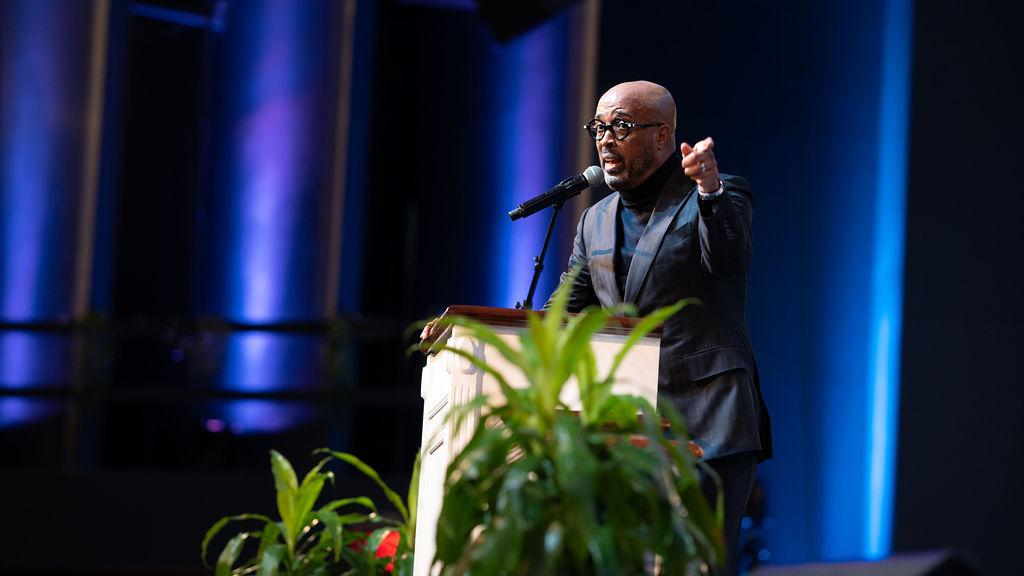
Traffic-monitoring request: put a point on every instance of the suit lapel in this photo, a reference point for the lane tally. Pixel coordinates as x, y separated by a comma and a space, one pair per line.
602, 262
675, 193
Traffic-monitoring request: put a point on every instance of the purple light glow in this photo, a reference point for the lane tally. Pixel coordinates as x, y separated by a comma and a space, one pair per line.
271, 155
215, 426
270, 164
258, 416
530, 86
273, 170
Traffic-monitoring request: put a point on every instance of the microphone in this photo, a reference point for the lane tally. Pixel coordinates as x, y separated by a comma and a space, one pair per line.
561, 192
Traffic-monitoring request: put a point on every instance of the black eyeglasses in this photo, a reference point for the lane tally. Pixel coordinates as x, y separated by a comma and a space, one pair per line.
620, 128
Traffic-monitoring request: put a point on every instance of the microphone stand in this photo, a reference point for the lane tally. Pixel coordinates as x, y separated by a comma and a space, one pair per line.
538, 261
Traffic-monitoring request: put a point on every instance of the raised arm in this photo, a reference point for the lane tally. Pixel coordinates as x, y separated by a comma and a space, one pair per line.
726, 211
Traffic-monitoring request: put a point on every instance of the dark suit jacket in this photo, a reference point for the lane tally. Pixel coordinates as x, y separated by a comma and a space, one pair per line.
707, 366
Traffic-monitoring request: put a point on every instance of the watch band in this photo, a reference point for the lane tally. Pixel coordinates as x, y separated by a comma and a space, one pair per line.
712, 195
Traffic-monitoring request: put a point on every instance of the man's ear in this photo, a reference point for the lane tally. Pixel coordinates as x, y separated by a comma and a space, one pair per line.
664, 136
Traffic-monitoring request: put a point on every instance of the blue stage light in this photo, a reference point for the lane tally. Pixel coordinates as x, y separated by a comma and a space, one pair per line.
887, 273
44, 115
862, 277
269, 223
16, 411
32, 360
260, 361
529, 98
257, 416
268, 149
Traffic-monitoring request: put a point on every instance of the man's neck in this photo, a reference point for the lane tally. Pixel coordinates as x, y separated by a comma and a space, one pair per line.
647, 192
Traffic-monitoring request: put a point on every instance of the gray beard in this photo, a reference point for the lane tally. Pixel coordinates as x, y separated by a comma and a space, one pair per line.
630, 177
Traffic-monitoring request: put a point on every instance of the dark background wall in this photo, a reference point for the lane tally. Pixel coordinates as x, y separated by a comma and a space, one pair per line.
960, 459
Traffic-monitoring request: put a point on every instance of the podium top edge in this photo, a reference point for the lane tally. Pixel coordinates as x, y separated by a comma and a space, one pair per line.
507, 317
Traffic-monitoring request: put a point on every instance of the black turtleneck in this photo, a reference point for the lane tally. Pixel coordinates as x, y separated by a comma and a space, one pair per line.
635, 212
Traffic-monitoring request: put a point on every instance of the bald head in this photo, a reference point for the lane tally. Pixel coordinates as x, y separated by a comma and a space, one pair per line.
652, 100
629, 161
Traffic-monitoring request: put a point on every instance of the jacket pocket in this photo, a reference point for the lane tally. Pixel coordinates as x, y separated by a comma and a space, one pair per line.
711, 362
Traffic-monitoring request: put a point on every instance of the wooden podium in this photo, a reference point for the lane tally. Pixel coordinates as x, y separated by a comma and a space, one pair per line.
450, 381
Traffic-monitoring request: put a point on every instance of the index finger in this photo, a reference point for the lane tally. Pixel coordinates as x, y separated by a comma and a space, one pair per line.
693, 159
705, 144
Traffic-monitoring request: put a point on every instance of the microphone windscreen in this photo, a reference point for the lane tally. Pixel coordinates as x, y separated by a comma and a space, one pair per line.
593, 176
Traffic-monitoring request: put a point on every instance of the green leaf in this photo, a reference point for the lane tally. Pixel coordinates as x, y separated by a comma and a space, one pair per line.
370, 473
511, 521
360, 500
334, 527
349, 519
219, 525
404, 562
413, 499
554, 544
268, 537
307, 495
287, 486
284, 475
271, 560
376, 537
486, 335
229, 555
576, 339
457, 416
543, 335
506, 389
560, 299
592, 391
575, 469
644, 327
602, 551
315, 472
466, 496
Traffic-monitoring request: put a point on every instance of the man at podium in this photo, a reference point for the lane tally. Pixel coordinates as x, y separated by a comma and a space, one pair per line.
675, 227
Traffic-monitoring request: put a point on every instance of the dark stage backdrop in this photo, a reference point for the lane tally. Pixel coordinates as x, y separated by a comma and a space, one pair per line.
961, 465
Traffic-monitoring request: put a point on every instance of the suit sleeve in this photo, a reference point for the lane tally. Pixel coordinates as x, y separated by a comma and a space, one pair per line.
581, 292
725, 226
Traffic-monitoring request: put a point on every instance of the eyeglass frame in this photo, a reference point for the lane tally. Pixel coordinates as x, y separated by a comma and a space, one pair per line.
602, 128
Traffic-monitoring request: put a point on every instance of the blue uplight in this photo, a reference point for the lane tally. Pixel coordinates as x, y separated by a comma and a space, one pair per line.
836, 390
268, 149
273, 211
15, 411
257, 416
259, 361
887, 273
41, 143
31, 360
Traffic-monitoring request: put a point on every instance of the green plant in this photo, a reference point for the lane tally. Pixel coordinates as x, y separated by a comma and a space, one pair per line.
308, 540
541, 490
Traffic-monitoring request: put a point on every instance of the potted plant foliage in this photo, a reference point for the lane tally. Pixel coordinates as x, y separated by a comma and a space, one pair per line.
320, 540
540, 489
